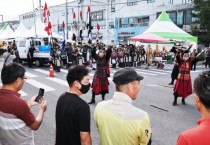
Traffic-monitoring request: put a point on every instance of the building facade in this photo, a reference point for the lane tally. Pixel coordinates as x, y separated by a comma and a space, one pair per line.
118, 19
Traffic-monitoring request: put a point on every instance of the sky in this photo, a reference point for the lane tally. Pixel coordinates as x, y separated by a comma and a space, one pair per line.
11, 9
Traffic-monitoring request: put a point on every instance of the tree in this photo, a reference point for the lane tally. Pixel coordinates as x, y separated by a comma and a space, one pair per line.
202, 8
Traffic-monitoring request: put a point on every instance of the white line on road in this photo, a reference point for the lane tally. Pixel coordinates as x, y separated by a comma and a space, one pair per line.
42, 71
161, 70
64, 71
62, 82
29, 75
151, 72
146, 73
39, 85
22, 93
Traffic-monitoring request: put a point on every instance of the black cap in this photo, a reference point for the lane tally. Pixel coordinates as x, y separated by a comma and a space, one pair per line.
125, 76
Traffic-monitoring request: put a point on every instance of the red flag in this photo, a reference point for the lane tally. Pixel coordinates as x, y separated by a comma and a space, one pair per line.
47, 30
74, 15
63, 24
80, 13
49, 25
45, 10
98, 27
88, 9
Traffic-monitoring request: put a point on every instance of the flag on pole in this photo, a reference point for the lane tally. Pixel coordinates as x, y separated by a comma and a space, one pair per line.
89, 26
74, 26
46, 14
98, 28
81, 26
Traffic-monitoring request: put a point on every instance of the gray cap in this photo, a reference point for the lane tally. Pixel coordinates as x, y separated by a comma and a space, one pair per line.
125, 76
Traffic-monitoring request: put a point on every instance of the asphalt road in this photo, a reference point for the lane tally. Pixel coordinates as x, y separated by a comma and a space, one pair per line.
155, 97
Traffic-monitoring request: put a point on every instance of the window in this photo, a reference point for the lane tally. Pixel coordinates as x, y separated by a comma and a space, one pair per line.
113, 6
22, 44
180, 18
150, 1
111, 25
184, 1
131, 2
172, 16
188, 17
97, 16
170, 1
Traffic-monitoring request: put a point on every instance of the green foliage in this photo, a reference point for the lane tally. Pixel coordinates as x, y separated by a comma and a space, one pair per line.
202, 8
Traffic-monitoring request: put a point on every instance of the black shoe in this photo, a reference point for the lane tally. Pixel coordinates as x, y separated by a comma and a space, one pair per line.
183, 101
175, 99
170, 84
93, 69
92, 102
174, 103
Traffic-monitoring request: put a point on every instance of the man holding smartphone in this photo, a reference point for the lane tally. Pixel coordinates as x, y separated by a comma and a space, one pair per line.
73, 113
16, 119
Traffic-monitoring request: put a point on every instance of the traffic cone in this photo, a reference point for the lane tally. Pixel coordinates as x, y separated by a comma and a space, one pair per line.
51, 74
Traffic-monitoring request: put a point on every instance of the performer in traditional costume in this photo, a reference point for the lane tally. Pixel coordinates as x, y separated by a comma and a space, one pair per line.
114, 58
175, 70
183, 86
120, 57
100, 79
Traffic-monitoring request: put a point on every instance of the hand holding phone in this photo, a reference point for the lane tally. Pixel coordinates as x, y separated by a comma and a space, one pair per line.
40, 95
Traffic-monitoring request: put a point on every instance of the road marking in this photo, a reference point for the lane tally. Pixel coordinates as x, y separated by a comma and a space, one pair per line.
161, 70
42, 71
29, 75
146, 73
39, 85
155, 72
64, 71
62, 82
22, 93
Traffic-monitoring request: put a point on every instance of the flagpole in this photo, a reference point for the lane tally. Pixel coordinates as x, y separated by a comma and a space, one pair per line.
67, 37
34, 19
40, 9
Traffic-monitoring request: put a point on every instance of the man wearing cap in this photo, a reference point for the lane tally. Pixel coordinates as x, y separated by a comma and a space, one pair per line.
117, 120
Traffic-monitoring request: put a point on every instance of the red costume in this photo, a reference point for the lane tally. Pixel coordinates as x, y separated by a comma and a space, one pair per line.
183, 86
100, 79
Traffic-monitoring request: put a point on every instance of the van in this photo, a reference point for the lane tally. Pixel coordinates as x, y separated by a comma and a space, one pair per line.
41, 54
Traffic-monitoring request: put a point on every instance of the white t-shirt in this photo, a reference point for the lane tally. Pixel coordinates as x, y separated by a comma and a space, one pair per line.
9, 59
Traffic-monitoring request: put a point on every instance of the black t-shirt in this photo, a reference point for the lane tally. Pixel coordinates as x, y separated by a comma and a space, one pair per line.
72, 116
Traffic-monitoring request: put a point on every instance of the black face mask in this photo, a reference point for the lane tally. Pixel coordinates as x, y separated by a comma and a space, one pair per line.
85, 88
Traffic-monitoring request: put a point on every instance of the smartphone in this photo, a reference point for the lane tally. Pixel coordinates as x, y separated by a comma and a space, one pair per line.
40, 95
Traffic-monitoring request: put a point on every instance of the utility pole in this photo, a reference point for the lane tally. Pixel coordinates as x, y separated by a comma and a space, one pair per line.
40, 9
107, 21
67, 20
2, 19
34, 18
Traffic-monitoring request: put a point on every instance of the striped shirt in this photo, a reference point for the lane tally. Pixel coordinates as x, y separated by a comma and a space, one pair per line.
15, 117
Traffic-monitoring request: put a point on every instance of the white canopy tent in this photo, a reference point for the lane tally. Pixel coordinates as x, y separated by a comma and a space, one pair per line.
19, 31
6, 31
38, 31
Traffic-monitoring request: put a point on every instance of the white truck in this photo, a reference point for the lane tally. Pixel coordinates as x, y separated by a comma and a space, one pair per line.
41, 55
